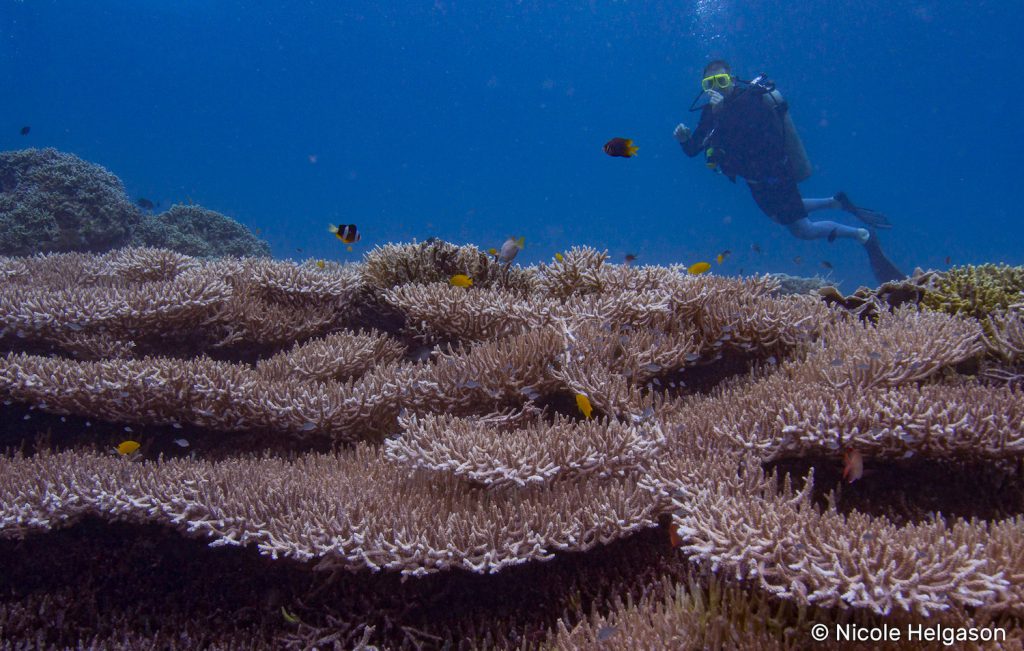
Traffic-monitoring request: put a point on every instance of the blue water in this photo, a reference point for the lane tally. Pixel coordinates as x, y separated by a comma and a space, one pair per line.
475, 121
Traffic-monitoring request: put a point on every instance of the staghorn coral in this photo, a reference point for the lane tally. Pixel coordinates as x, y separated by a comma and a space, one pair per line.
937, 421
1004, 335
475, 457
242, 502
441, 311
778, 540
744, 526
535, 455
59, 299
904, 346
683, 619
339, 356
579, 272
391, 265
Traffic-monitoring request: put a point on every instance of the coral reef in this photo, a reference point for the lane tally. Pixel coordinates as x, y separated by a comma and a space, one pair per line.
56, 202
799, 284
976, 290
381, 450
198, 232
51, 201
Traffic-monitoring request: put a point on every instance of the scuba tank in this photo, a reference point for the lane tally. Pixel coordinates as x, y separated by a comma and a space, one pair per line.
797, 162
796, 156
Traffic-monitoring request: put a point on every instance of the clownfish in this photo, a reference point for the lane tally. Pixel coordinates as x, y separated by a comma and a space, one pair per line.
347, 233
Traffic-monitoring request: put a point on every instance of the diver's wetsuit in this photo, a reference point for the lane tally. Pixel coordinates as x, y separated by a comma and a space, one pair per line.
748, 141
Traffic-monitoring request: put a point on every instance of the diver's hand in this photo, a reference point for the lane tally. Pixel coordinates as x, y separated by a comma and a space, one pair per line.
715, 98
682, 133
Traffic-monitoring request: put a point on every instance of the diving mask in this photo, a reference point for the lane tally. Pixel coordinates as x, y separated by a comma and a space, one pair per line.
722, 80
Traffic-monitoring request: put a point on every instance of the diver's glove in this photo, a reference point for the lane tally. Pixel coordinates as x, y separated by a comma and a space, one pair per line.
682, 133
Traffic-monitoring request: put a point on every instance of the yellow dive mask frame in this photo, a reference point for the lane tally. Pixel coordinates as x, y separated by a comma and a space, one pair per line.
722, 80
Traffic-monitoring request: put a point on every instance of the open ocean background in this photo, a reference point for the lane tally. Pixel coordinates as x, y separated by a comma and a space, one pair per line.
475, 121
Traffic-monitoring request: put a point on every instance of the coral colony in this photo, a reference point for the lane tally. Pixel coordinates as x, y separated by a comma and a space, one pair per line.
573, 454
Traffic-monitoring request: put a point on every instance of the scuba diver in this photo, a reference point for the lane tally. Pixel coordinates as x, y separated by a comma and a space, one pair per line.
745, 130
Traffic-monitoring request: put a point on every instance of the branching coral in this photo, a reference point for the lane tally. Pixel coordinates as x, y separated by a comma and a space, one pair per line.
146, 296
476, 456
794, 551
392, 265
355, 510
535, 455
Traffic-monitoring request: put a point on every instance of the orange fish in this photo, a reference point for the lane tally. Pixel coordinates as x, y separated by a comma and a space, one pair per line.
853, 465
623, 147
673, 535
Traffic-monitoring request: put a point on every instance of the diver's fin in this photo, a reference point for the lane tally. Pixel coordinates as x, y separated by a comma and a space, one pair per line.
870, 217
884, 270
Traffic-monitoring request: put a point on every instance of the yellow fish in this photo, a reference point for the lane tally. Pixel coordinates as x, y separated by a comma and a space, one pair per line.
559, 257
461, 280
320, 264
127, 447
698, 268
720, 258
289, 617
583, 403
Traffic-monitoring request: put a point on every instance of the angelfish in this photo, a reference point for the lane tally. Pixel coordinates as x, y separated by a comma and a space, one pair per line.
621, 147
